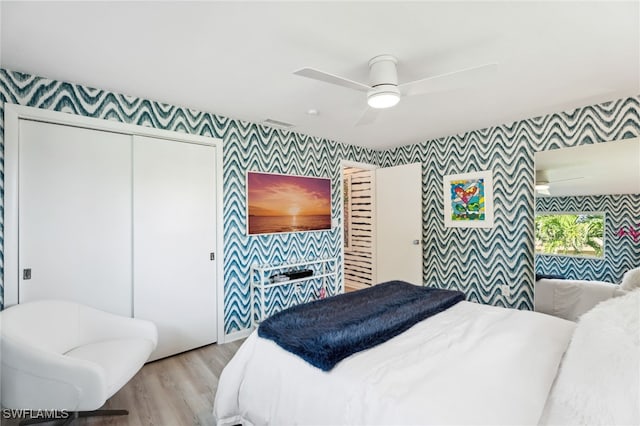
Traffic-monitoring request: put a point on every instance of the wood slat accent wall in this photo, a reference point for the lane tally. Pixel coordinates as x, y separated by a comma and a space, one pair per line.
359, 256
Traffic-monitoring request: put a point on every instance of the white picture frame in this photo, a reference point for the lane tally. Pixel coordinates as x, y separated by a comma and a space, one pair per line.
468, 200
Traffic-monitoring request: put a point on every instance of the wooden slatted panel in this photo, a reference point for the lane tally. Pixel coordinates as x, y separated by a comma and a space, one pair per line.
359, 258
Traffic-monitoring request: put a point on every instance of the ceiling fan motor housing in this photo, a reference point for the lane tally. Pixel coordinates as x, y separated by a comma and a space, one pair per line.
383, 77
382, 70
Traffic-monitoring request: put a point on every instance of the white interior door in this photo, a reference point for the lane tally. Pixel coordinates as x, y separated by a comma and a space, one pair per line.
74, 216
399, 223
174, 210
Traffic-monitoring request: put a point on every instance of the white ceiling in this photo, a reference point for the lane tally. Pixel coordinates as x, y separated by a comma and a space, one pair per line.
609, 168
236, 58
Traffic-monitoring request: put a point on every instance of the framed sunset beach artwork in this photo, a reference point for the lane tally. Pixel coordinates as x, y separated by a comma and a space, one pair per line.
468, 200
286, 203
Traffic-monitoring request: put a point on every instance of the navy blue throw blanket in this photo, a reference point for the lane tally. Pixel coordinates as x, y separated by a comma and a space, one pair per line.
549, 277
326, 331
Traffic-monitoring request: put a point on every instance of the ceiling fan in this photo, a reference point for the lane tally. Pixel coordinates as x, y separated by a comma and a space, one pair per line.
383, 90
543, 185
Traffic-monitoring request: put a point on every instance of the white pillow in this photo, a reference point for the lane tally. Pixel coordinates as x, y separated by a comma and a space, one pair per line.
598, 380
631, 280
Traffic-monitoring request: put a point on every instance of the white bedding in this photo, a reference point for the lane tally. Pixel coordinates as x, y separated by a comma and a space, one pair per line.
599, 380
471, 364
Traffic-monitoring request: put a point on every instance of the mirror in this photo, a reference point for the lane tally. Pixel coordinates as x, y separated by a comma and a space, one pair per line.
586, 201
601, 169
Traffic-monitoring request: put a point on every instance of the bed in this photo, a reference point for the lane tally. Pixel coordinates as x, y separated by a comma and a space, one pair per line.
469, 364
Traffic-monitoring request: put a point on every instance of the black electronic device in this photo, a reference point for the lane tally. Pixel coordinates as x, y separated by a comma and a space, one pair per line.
300, 273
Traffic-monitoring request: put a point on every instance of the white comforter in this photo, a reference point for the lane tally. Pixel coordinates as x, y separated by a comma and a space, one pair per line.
471, 364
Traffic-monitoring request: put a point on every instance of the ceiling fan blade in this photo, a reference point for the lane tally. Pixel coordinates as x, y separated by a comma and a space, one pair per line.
565, 180
449, 81
542, 177
368, 116
331, 78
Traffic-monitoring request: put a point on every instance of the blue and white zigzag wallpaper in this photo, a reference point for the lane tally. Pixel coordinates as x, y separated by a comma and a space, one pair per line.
247, 146
621, 252
476, 261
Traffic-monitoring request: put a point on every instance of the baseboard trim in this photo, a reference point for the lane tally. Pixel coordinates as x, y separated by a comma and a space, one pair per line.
237, 335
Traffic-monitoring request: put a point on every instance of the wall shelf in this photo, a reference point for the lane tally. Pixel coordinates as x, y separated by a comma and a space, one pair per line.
269, 296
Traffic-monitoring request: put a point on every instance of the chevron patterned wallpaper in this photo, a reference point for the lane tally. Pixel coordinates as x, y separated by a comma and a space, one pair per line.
621, 253
247, 146
478, 261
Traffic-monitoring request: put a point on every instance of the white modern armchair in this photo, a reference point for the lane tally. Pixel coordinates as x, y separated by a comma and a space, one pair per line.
58, 355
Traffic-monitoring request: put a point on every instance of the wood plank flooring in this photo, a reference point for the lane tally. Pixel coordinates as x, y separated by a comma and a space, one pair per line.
348, 289
351, 287
174, 391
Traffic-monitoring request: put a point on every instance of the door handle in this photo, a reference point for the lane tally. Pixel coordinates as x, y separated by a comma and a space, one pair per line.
416, 242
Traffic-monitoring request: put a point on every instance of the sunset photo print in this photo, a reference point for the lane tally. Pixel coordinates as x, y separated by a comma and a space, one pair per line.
284, 203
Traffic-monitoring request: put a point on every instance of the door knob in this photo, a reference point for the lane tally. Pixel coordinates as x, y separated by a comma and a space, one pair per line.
416, 242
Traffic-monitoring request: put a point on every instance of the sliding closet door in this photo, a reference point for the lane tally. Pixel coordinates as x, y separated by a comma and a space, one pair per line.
74, 216
174, 196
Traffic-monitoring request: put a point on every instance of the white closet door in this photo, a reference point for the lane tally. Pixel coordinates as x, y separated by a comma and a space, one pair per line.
75, 216
174, 193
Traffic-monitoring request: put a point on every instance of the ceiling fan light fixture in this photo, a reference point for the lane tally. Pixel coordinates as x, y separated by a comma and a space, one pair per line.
542, 186
383, 96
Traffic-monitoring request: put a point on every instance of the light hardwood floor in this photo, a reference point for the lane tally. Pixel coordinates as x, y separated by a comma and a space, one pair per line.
351, 287
174, 391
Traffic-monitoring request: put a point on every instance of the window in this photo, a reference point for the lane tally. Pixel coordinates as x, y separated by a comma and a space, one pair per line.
570, 234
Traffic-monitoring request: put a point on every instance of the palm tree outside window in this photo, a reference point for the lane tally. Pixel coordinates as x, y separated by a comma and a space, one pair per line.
570, 234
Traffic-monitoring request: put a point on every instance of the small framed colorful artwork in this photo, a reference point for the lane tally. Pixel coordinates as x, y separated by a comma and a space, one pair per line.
468, 200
